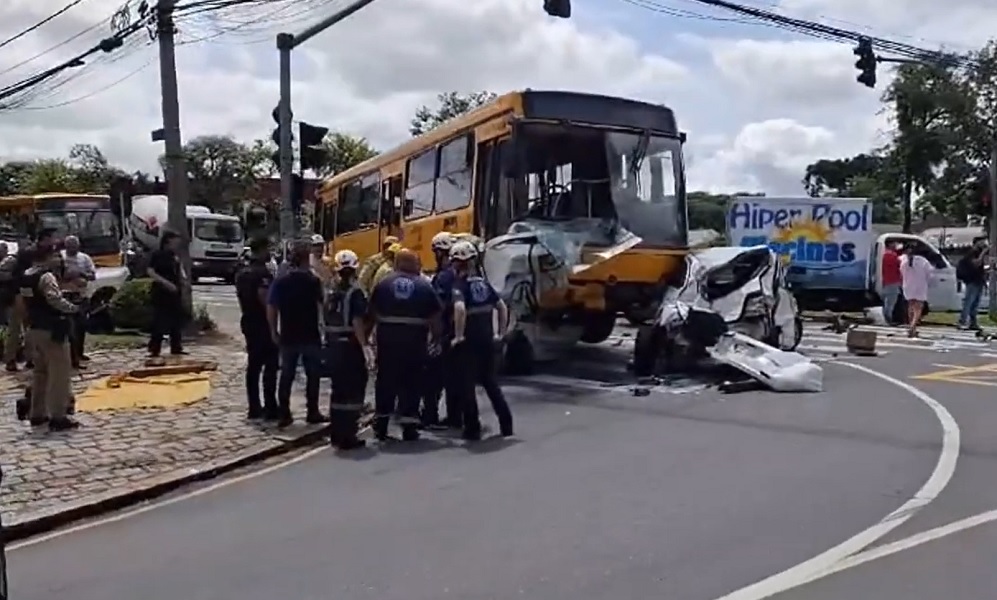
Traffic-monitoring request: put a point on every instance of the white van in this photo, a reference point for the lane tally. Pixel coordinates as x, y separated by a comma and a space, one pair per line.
943, 288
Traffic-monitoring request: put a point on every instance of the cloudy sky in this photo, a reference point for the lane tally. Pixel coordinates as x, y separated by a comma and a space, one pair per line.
758, 103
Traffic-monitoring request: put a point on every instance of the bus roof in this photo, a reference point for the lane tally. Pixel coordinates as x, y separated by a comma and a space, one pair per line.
531, 104
25, 198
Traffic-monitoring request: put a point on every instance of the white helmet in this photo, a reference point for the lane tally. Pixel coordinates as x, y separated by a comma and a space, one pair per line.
463, 250
443, 241
317, 240
346, 259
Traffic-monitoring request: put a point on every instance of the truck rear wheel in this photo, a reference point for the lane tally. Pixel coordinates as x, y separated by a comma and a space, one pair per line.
597, 327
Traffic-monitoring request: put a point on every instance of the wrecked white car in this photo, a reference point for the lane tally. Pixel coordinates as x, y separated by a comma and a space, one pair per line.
729, 289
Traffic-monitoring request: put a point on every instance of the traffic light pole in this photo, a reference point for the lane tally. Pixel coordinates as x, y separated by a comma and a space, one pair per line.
992, 233
286, 42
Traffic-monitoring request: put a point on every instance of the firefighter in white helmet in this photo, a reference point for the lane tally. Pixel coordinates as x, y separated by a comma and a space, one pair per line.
348, 355
474, 301
439, 376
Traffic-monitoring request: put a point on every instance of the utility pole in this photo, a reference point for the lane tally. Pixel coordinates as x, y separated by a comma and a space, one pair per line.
992, 229
176, 166
289, 223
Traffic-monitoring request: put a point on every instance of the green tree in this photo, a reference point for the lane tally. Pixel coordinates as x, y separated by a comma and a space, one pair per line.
344, 151
51, 175
922, 99
708, 211
12, 176
450, 105
222, 171
870, 176
92, 170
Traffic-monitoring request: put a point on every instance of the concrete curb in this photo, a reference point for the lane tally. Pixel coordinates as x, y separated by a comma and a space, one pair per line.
43, 522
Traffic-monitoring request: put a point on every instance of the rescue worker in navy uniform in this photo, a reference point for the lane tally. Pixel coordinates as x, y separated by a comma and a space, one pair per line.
440, 378
474, 301
49, 326
252, 286
405, 311
350, 354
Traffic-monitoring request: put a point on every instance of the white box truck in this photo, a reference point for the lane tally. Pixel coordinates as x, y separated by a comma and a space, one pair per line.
832, 253
216, 240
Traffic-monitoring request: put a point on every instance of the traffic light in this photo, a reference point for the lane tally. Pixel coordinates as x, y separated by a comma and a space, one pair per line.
313, 153
866, 63
558, 8
275, 136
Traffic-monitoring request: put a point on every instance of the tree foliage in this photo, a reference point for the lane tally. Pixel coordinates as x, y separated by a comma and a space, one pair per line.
344, 151
449, 105
939, 149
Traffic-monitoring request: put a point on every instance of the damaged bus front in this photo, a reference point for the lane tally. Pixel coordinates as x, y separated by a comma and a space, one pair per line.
602, 227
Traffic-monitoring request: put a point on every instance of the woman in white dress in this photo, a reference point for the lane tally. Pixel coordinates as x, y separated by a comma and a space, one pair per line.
915, 271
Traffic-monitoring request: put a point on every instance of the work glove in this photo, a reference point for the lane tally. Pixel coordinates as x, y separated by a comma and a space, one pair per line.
370, 358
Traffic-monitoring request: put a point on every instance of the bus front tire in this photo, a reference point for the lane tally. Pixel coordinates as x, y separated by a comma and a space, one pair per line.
597, 327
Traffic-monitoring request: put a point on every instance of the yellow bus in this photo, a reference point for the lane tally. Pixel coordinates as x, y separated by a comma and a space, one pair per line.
86, 216
546, 156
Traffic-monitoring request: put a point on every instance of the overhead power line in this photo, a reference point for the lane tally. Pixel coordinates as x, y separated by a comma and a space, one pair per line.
822, 31
107, 45
47, 19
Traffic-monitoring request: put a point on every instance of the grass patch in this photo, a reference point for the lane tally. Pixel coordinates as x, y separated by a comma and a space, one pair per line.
117, 341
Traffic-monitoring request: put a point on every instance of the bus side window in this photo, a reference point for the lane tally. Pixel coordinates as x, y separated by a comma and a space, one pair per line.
391, 214
421, 191
349, 216
370, 198
453, 187
328, 230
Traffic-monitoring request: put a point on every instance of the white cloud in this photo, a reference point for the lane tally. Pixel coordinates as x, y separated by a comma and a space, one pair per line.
758, 108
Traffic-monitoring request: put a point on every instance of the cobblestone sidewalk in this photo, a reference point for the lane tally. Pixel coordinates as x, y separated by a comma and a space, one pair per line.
122, 451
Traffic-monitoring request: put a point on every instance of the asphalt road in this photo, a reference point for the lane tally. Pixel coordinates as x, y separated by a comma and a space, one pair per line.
682, 494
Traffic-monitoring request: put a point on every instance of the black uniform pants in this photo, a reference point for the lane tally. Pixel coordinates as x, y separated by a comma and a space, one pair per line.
167, 320
440, 378
262, 360
476, 366
349, 387
399, 384
78, 334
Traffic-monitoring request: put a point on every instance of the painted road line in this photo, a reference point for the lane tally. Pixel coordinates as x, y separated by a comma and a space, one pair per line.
818, 566
913, 541
983, 375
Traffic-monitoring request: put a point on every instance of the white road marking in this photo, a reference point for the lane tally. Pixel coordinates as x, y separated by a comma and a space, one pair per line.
822, 564
913, 541
163, 503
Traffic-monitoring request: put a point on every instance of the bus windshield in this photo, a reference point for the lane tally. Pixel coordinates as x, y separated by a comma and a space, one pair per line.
97, 229
632, 180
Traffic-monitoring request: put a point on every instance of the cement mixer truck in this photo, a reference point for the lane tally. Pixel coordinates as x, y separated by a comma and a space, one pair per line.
216, 240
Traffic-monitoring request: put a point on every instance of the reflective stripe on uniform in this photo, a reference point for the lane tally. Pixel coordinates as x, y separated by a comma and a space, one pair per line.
347, 407
403, 321
382, 416
481, 310
338, 329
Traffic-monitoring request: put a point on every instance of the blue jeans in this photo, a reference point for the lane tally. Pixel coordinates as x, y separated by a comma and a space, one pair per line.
971, 297
891, 293
310, 358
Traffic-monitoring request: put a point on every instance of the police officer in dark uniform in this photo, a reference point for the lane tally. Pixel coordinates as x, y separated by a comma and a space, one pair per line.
349, 354
252, 286
439, 378
474, 340
406, 311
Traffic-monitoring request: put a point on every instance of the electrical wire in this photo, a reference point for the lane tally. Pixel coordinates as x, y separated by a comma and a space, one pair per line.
822, 31
96, 92
39, 24
17, 94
